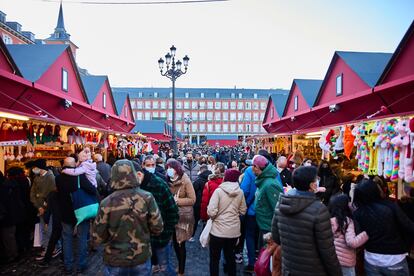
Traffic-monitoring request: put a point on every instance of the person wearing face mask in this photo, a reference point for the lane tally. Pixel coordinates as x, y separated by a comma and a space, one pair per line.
329, 181
160, 169
43, 184
191, 167
160, 244
184, 195
301, 226
284, 172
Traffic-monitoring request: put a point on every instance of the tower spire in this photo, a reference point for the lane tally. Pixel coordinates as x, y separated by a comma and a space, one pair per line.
60, 32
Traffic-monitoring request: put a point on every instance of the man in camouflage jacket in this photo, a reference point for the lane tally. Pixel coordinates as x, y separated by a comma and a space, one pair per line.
126, 220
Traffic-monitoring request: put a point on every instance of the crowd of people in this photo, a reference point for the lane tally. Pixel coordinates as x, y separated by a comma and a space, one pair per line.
308, 218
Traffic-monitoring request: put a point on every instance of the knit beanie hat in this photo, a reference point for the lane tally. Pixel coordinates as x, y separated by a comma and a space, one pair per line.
260, 161
231, 175
40, 163
123, 175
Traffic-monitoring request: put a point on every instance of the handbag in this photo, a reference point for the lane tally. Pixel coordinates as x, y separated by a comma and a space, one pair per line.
85, 205
262, 265
205, 234
185, 225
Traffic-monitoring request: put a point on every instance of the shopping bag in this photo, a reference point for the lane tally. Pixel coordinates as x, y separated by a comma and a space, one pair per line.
262, 265
85, 205
37, 239
205, 235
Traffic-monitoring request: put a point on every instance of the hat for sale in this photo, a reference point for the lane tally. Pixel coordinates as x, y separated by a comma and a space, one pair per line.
40, 163
231, 175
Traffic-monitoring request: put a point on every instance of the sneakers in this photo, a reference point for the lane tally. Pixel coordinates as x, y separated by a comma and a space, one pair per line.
156, 269
239, 258
41, 256
191, 239
249, 269
56, 252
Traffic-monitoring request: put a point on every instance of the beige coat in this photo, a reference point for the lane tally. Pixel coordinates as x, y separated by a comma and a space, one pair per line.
186, 196
226, 220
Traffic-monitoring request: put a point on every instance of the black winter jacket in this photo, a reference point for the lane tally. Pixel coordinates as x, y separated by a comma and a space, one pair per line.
198, 185
388, 228
301, 225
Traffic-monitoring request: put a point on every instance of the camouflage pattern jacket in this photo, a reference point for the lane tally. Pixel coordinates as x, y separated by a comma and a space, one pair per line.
126, 219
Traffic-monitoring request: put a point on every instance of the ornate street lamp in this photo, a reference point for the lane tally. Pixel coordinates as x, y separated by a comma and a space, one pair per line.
188, 121
173, 73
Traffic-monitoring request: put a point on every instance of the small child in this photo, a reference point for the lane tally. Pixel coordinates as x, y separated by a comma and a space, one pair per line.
345, 239
87, 167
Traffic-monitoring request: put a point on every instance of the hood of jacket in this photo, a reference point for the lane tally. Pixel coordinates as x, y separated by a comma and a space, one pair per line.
123, 175
269, 172
232, 189
293, 204
181, 180
216, 177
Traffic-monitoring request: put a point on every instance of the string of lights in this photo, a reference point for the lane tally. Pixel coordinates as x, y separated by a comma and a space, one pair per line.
137, 2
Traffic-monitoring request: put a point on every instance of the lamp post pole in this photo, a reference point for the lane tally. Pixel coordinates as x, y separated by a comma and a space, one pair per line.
173, 73
188, 121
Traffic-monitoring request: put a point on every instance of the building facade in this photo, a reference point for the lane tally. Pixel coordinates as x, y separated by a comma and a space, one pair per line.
225, 112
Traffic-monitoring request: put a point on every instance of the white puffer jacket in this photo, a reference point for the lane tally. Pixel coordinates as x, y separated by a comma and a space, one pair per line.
345, 245
227, 223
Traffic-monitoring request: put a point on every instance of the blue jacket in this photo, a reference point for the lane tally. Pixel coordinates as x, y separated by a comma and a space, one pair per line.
249, 189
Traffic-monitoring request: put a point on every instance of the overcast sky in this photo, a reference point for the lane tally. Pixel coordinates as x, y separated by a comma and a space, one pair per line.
243, 43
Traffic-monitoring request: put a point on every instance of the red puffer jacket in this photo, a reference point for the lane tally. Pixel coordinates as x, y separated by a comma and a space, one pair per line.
214, 180
345, 245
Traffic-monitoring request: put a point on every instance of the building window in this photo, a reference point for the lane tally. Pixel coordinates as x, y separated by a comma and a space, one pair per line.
126, 111
263, 105
170, 116
163, 105
217, 105
7, 39
131, 101
255, 96
248, 128
139, 94
104, 100
233, 95
186, 105
217, 116
147, 115
202, 127
225, 105
233, 128
240, 96
202, 116
202, 95
339, 85
155, 115
240, 128
240, 116
210, 128
139, 115
155, 95
194, 105
272, 113
202, 105
209, 116
217, 95
147, 105
240, 105
255, 116
155, 104
209, 105
64, 80
187, 95
255, 128
225, 128
178, 126
261, 116
170, 95
139, 104
170, 105
295, 103
233, 105
248, 116
179, 105
225, 116
248, 105
163, 115
178, 116
255, 105
193, 127
233, 116
194, 116
218, 127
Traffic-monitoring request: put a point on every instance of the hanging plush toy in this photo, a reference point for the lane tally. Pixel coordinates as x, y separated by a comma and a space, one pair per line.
324, 145
56, 134
409, 172
380, 132
373, 150
339, 144
389, 148
349, 139
71, 136
400, 142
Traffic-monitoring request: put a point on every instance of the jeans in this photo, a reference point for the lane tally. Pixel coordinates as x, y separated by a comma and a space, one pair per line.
228, 245
54, 240
82, 235
163, 260
251, 238
45, 233
196, 218
139, 270
400, 269
348, 271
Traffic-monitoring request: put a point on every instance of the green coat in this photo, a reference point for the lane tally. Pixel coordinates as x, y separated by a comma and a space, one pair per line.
267, 195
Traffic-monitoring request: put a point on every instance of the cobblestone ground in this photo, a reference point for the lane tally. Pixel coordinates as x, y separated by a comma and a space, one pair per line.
197, 263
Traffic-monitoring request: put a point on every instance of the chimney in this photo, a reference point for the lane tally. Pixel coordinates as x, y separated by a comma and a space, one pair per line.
29, 35
15, 26
2, 17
